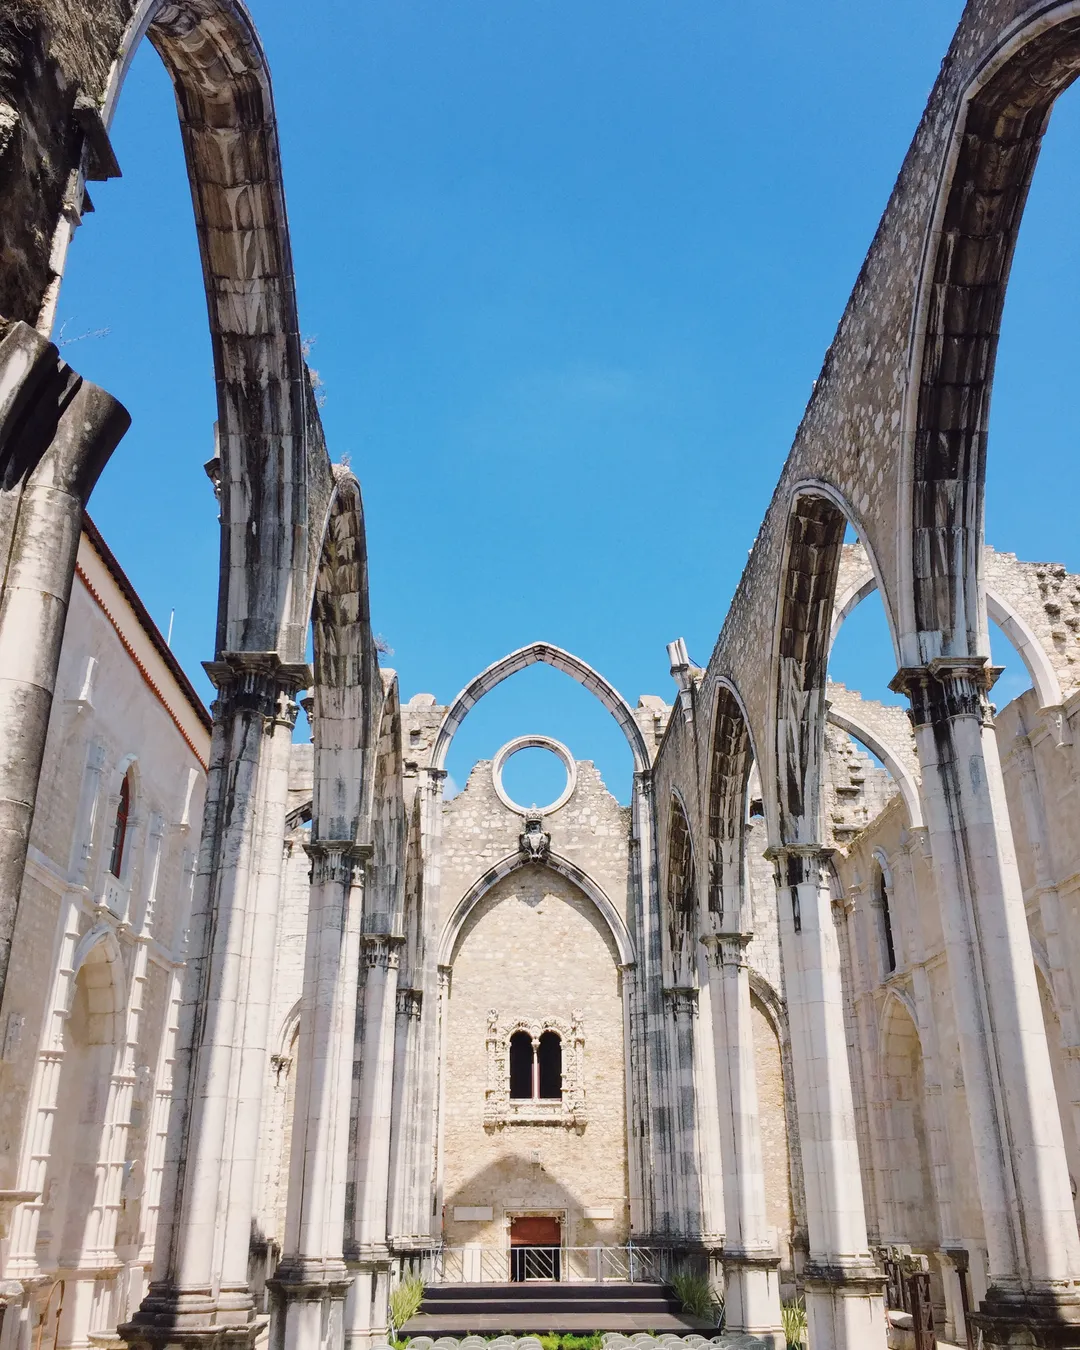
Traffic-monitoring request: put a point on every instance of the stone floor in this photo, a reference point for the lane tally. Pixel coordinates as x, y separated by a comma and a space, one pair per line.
435, 1328
612, 1341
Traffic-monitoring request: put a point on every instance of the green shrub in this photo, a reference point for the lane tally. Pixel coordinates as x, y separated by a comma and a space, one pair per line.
793, 1320
405, 1300
697, 1296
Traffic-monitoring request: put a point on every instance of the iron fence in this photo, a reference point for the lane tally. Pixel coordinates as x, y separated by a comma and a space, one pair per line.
577, 1265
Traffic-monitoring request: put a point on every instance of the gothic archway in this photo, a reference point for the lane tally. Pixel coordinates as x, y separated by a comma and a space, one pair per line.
553, 656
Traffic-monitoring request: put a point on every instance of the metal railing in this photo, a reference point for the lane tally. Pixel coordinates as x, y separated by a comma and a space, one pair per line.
580, 1265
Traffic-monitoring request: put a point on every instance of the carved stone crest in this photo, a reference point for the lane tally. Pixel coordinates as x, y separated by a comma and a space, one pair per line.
534, 840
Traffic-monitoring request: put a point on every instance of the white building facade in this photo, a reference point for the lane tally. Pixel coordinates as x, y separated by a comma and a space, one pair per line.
90, 1011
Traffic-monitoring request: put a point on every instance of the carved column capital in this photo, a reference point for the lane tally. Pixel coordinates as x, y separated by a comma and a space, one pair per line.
337, 860
410, 1002
257, 682
947, 687
381, 950
727, 950
682, 1001
795, 865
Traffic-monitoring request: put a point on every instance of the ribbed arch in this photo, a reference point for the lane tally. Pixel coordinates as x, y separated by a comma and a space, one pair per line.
730, 762
553, 656
815, 534
347, 689
270, 444
982, 194
681, 892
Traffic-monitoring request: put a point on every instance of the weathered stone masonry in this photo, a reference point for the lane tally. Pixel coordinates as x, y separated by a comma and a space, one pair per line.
762, 854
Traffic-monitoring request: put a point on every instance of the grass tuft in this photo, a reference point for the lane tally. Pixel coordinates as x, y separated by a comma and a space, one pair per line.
697, 1296
793, 1320
405, 1300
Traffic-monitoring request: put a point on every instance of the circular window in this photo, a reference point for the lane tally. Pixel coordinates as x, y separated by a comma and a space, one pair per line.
528, 743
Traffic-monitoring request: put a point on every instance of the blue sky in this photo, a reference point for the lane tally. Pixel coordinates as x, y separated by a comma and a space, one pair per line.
569, 268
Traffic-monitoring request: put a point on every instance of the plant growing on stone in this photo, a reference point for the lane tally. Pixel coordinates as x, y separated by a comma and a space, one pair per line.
697, 1296
405, 1300
793, 1320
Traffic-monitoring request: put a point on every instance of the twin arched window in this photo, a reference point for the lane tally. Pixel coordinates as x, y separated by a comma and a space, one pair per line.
120, 827
535, 1067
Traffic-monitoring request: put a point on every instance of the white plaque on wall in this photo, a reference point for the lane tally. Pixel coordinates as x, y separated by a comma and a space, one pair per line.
599, 1212
473, 1213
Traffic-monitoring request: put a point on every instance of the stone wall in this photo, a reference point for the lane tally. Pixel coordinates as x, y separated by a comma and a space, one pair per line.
85, 1048
534, 949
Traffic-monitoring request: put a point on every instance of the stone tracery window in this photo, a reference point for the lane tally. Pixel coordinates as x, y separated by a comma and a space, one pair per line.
535, 1072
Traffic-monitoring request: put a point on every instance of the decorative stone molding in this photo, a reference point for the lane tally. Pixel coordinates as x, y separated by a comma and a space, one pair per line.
337, 860
682, 1000
948, 687
257, 682
525, 743
500, 1109
381, 950
410, 1002
795, 865
727, 949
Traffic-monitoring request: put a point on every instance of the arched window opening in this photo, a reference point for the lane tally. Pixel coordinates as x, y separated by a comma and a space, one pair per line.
549, 1061
681, 892
123, 810
521, 1066
882, 887
536, 1067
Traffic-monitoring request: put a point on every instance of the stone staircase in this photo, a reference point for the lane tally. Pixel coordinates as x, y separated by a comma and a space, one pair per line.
539, 1306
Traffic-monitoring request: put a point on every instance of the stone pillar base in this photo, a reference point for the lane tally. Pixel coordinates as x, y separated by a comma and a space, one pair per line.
367, 1306
752, 1295
308, 1305
1041, 1320
845, 1306
187, 1319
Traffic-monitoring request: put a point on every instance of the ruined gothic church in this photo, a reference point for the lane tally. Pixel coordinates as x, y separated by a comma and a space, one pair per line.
283, 1026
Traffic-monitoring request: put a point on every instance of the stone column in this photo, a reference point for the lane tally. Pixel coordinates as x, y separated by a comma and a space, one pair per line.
57, 432
650, 1046
681, 1006
200, 1292
416, 1088
366, 1310
751, 1263
311, 1281
864, 972
1031, 1237
445, 976
406, 1205
1050, 911
844, 1287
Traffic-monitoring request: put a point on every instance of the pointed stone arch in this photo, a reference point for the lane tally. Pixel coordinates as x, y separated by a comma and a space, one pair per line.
555, 657
730, 762
268, 437
680, 896
347, 690
860, 581
999, 123
620, 934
